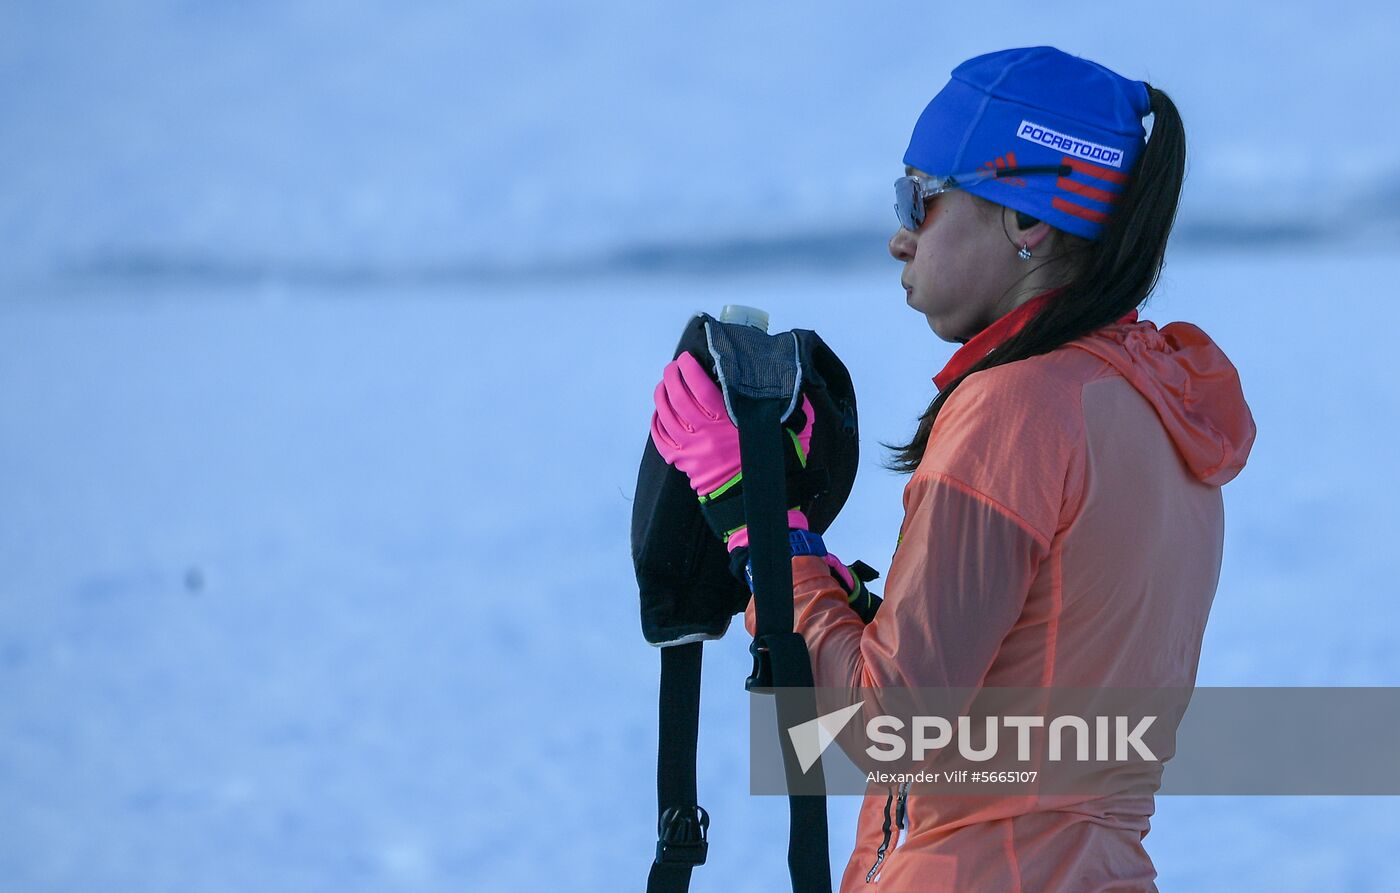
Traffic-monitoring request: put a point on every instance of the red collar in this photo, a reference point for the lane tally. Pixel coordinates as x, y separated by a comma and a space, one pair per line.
996, 334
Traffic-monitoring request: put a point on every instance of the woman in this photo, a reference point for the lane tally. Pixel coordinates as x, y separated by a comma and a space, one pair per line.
1063, 519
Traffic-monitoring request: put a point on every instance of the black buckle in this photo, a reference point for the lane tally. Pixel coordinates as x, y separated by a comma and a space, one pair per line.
762, 675
681, 836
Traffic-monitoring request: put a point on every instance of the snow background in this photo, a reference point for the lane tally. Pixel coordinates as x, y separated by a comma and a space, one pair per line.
327, 340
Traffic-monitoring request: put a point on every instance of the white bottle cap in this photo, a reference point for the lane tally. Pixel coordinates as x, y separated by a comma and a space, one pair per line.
745, 316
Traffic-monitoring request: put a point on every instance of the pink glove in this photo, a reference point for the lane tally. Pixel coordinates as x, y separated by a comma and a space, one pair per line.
864, 602
692, 431
840, 570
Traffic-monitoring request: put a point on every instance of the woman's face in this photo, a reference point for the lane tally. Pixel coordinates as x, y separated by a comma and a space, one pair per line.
959, 265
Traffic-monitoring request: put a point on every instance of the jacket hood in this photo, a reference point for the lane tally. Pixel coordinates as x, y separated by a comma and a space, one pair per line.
1191, 383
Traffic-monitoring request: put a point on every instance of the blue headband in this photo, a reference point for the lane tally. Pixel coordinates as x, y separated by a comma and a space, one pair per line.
1037, 106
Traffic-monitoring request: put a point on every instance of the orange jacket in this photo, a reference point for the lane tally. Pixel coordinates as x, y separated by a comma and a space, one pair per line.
1064, 528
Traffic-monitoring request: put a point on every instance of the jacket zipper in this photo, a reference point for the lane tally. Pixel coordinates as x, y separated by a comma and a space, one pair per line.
884, 844
901, 813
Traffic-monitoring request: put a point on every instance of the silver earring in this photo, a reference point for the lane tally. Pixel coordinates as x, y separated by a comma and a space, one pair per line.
1025, 252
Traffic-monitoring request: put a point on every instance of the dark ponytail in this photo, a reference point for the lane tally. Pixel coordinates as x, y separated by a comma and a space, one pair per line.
1115, 273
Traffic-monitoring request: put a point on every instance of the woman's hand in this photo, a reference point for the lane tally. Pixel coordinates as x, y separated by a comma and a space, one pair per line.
692, 429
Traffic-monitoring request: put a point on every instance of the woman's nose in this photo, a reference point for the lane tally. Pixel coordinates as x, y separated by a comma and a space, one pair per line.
902, 245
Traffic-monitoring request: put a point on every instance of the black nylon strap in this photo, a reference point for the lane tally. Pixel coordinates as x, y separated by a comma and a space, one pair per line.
809, 862
780, 653
675, 770
765, 507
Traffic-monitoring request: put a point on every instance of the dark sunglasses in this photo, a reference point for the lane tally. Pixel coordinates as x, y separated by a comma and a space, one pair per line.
910, 193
